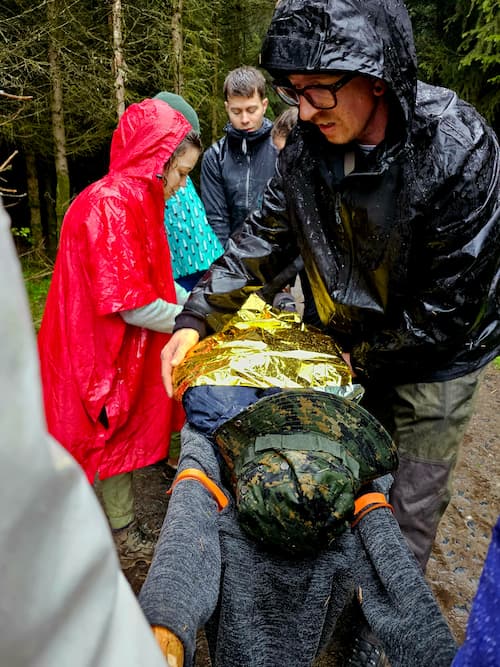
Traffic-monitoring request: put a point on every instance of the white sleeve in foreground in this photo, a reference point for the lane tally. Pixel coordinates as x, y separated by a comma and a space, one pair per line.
63, 599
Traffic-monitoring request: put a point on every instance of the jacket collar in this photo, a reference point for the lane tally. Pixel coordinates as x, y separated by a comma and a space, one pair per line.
242, 139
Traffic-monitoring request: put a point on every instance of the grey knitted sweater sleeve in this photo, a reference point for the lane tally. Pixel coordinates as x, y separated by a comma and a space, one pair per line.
182, 586
396, 600
259, 609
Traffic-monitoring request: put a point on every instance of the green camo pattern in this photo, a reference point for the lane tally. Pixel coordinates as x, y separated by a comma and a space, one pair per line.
297, 460
296, 502
311, 411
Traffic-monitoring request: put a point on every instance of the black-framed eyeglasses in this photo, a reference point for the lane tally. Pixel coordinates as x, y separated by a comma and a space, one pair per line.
319, 95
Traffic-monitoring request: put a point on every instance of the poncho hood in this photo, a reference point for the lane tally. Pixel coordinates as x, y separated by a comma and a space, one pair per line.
373, 37
104, 399
146, 136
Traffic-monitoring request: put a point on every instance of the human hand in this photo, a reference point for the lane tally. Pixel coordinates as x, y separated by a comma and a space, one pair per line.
174, 352
347, 358
170, 645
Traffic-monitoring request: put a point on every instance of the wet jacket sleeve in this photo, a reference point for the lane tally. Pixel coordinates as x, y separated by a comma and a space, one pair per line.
259, 251
455, 263
213, 194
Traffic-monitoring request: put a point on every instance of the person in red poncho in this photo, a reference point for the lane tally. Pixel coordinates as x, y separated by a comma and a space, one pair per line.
110, 310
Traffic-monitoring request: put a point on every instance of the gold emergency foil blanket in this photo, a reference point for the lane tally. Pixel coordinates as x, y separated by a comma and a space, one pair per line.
264, 347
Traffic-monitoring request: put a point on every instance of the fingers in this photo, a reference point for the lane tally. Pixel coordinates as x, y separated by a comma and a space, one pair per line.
166, 369
347, 358
170, 645
173, 354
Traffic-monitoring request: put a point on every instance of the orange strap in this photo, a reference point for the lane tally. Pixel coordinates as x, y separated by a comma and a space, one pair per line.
368, 502
193, 473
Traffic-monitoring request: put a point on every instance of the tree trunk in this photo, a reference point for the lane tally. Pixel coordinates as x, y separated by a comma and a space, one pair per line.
119, 67
34, 201
215, 84
51, 238
56, 108
177, 46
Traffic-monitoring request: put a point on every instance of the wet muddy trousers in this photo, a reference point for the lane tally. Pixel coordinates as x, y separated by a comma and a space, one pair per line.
427, 421
118, 492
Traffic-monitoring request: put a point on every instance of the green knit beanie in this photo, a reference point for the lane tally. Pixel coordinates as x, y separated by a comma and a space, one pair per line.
179, 104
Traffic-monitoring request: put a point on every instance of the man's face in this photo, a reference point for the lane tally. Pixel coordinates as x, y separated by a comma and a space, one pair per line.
246, 113
360, 114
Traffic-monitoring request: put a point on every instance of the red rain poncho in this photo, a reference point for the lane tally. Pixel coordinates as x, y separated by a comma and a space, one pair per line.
113, 256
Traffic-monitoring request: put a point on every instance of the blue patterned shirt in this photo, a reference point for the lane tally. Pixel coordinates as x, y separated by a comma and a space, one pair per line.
193, 243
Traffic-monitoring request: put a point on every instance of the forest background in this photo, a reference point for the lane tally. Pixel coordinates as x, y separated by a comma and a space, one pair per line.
68, 69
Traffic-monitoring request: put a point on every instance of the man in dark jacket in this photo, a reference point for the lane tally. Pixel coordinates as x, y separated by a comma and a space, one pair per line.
388, 189
235, 169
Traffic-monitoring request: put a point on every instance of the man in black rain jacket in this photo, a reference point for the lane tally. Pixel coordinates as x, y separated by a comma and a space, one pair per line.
388, 189
237, 167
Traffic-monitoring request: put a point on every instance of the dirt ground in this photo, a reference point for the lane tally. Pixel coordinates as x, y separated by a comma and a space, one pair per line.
463, 536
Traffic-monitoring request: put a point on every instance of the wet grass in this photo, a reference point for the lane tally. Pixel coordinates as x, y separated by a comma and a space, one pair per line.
37, 272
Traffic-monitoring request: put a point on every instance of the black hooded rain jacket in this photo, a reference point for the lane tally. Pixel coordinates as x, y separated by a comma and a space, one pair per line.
234, 173
402, 253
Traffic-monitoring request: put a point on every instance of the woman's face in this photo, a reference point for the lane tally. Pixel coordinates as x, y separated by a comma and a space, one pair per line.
176, 172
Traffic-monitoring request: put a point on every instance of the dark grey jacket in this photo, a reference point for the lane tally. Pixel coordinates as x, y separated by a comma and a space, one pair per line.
261, 610
234, 173
402, 254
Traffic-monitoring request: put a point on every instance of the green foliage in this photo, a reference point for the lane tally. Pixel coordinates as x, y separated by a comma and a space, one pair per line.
22, 233
457, 45
480, 53
82, 40
37, 272
24, 66
482, 41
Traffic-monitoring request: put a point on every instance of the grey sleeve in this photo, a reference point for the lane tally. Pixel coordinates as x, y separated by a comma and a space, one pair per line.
396, 600
181, 294
159, 315
63, 597
182, 586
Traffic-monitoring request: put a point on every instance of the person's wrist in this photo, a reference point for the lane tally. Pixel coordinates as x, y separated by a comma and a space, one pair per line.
367, 502
188, 321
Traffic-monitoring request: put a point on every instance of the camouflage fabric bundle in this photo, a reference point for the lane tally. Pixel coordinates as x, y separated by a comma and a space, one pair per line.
297, 460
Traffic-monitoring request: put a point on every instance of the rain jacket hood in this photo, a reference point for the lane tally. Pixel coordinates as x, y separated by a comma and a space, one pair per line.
104, 398
368, 36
